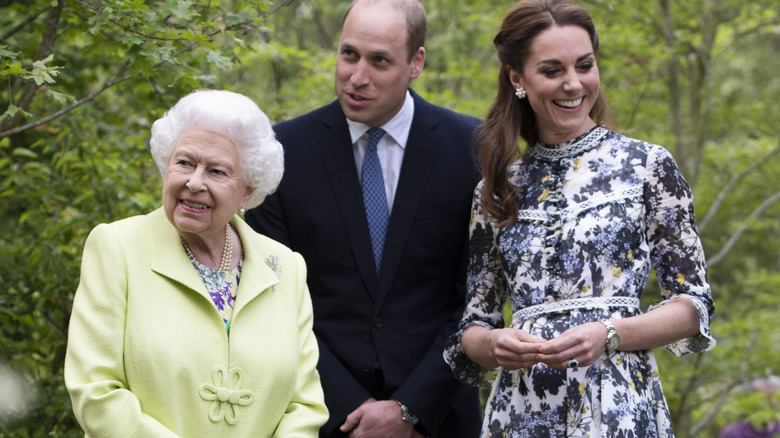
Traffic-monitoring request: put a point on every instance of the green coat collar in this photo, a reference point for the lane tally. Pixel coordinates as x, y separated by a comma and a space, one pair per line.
169, 259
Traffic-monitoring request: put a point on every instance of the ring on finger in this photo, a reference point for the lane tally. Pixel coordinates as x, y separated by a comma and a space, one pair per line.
573, 363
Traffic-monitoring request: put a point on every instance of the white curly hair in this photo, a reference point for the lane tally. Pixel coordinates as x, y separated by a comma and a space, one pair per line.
231, 115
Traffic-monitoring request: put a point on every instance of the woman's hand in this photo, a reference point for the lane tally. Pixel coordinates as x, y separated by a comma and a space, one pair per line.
515, 349
509, 348
583, 344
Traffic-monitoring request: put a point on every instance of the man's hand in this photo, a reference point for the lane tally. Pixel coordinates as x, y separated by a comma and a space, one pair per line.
378, 419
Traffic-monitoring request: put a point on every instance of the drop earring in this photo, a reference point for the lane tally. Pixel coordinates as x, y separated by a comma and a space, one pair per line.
520, 93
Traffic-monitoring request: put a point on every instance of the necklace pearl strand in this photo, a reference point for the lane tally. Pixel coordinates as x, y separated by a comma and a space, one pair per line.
227, 251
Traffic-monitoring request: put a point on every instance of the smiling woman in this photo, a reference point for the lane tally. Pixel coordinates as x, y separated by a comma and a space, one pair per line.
561, 80
204, 187
186, 322
566, 229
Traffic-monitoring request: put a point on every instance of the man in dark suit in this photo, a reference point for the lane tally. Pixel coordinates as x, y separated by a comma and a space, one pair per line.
387, 296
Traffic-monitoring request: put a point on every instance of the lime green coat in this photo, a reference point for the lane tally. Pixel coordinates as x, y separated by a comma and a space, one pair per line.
148, 354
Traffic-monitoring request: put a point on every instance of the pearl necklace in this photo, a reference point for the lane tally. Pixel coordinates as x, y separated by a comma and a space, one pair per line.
227, 251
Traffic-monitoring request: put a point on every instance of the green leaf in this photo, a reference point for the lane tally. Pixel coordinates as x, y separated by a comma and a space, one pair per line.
7, 53
14, 69
182, 9
60, 98
24, 152
43, 74
222, 62
12, 110
195, 37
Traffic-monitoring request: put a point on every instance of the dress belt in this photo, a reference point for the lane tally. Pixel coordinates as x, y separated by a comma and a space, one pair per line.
576, 303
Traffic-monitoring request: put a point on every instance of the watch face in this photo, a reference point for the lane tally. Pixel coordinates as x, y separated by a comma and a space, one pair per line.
613, 342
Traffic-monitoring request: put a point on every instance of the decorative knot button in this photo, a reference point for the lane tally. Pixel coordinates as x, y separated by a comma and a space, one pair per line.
225, 395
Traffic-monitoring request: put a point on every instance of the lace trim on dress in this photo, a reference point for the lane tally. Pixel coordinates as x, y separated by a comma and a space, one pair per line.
576, 303
601, 199
576, 210
586, 141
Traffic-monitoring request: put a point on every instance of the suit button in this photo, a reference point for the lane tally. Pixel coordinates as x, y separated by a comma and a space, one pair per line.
378, 323
365, 373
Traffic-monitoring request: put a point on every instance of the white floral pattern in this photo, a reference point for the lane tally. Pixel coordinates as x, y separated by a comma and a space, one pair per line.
595, 215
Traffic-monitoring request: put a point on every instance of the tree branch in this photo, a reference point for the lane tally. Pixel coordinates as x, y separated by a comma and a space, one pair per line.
21, 26
115, 79
44, 50
277, 7
89, 97
696, 428
732, 183
711, 261
673, 83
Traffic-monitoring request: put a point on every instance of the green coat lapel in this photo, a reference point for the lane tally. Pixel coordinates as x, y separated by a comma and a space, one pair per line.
167, 253
256, 275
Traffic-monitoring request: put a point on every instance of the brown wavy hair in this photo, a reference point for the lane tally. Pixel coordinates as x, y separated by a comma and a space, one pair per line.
510, 118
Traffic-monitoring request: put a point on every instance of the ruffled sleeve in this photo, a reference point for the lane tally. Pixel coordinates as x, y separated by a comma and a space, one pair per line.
675, 248
486, 294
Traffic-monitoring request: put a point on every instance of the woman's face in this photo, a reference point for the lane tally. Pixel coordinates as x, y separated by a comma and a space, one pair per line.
562, 81
204, 185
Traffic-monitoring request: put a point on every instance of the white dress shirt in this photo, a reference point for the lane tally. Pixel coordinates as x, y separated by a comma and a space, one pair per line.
391, 146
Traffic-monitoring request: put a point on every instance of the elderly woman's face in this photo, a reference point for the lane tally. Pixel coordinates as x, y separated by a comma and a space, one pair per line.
204, 185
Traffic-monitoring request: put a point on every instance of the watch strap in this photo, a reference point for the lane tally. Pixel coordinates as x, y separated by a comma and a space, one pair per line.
611, 336
406, 414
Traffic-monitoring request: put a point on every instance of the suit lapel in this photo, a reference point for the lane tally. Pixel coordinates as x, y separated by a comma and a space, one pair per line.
340, 161
421, 149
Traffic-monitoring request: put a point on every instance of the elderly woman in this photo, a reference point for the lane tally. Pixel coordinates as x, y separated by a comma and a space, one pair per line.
186, 322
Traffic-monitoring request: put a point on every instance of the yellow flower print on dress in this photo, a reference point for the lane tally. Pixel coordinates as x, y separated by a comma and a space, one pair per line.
225, 395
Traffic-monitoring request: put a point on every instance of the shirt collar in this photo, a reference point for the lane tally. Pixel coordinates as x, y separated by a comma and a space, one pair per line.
398, 127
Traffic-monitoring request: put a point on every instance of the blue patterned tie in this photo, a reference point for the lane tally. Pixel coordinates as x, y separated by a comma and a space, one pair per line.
374, 196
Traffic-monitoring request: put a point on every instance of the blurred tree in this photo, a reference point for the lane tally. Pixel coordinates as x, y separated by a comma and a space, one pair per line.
86, 78
695, 76
82, 82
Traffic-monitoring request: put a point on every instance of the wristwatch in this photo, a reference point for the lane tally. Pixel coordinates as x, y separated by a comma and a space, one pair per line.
613, 340
407, 415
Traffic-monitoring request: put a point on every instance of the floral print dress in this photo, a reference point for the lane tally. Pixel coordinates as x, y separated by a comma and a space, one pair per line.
596, 214
221, 286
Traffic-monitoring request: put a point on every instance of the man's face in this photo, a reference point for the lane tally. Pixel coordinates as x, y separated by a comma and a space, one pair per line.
373, 70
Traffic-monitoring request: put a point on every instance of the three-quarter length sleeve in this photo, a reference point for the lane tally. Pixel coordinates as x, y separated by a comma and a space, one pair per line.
486, 294
103, 403
676, 250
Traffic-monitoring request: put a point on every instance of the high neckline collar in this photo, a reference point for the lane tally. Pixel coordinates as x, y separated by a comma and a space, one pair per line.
584, 142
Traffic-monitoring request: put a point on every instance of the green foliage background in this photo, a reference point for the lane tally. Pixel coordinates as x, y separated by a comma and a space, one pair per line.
82, 81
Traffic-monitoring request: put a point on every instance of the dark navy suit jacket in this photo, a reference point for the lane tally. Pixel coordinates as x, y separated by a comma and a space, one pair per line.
382, 335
